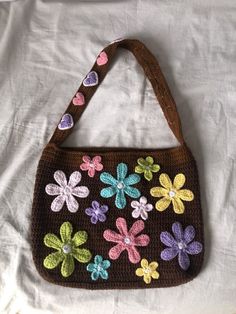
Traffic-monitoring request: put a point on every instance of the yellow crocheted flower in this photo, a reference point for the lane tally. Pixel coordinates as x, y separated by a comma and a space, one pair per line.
172, 193
148, 271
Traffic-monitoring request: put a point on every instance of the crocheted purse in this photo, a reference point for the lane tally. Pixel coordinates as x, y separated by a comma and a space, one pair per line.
107, 218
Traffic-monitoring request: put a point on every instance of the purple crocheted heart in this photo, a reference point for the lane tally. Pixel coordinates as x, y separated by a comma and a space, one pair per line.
66, 122
91, 79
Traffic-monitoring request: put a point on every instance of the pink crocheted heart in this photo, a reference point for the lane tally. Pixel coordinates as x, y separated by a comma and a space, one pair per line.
78, 100
102, 58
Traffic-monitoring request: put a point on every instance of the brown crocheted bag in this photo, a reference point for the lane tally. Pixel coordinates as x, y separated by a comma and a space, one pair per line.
107, 218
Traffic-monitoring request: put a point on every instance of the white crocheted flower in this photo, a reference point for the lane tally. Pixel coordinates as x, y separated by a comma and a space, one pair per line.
65, 191
141, 208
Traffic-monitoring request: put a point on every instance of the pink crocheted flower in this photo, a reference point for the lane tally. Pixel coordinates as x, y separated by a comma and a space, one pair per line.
127, 240
91, 165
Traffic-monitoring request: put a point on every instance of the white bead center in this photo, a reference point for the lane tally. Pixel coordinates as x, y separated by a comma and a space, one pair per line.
66, 248
172, 193
67, 190
120, 185
181, 245
147, 270
99, 267
127, 240
91, 165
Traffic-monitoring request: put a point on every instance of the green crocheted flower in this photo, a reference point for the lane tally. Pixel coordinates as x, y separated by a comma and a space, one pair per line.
147, 167
67, 249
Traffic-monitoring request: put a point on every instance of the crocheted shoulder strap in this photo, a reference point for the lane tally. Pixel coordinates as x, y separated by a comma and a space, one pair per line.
96, 75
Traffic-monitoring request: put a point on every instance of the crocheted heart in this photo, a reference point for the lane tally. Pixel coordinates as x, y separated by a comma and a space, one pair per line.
102, 58
66, 122
91, 79
78, 100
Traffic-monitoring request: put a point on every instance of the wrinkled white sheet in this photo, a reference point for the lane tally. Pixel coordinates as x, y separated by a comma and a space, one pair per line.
46, 48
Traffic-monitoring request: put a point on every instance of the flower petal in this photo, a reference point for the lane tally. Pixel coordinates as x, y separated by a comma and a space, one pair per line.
105, 264
153, 266
95, 205
144, 263
89, 211
139, 272
66, 231
185, 195
67, 266
80, 191
79, 238
86, 159
97, 159
132, 192
104, 209
178, 205
91, 172
158, 191
94, 219
85, 166
155, 274
136, 228
149, 160
163, 203
144, 214
108, 192
142, 162
133, 254
148, 175
189, 234
139, 169
104, 274
183, 260
155, 168
167, 239
179, 181
95, 275
107, 178
135, 204
101, 217
148, 207
132, 179
177, 231
58, 203
98, 167
91, 267
116, 250
122, 170
82, 255
74, 179
60, 178
112, 236
52, 260
71, 203
53, 189
169, 253
142, 240
147, 278
122, 226
165, 181
120, 199
98, 259
194, 248
143, 200
136, 213
51, 240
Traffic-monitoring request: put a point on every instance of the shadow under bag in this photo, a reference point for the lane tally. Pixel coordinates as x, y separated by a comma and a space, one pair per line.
106, 218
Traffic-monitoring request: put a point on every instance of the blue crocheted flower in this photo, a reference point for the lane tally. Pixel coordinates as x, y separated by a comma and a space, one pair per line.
120, 186
99, 268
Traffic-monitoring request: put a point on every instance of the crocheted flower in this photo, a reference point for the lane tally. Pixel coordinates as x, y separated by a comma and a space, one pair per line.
126, 240
65, 191
172, 193
99, 268
91, 165
67, 249
141, 208
97, 212
148, 271
120, 186
147, 167
181, 244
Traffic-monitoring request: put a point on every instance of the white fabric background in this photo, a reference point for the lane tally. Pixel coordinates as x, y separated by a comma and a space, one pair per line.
46, 48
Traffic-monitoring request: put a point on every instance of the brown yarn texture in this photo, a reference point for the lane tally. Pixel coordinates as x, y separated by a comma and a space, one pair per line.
172, 161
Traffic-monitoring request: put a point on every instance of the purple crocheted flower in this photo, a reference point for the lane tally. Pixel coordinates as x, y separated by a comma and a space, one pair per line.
97, 212
181, 244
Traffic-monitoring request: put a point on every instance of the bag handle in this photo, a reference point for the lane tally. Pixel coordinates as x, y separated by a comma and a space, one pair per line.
96, 75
